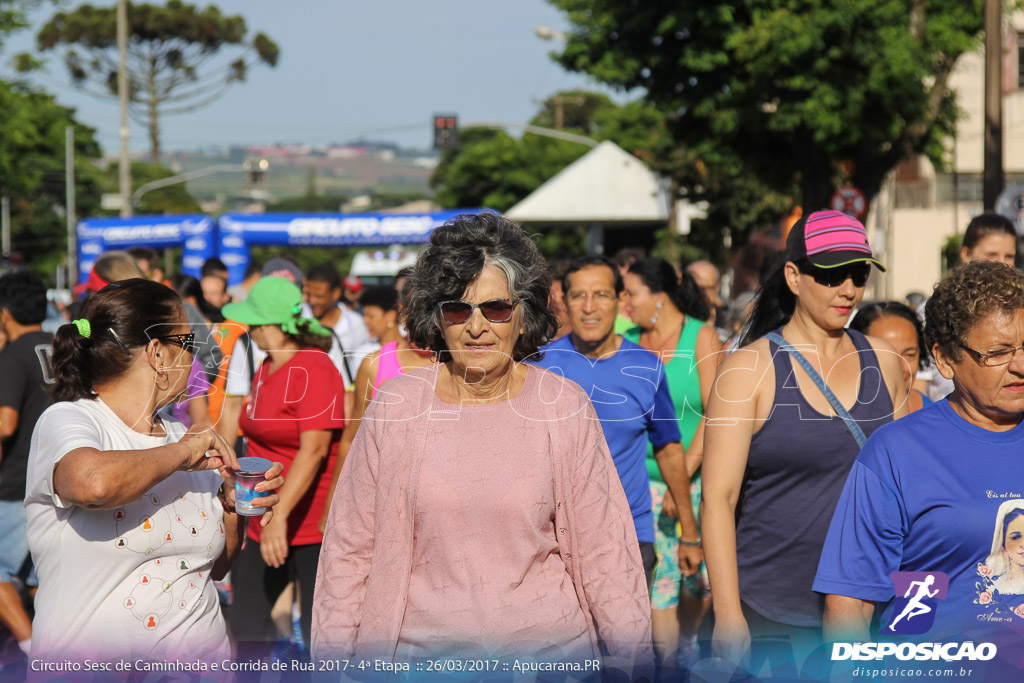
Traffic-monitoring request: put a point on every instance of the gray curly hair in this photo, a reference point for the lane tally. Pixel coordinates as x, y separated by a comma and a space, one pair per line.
455, 257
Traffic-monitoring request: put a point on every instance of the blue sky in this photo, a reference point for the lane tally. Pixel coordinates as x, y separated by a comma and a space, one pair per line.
357, 67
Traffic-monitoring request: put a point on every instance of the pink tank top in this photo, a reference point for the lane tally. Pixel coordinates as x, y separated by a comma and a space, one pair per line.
388, 366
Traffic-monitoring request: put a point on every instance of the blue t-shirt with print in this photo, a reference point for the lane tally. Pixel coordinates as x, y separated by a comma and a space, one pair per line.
931, 493
631, 398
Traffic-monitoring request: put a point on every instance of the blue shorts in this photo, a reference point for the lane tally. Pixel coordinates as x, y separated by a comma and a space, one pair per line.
15, 561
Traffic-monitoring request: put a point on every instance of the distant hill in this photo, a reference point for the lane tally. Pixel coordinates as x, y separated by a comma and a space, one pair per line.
353, 168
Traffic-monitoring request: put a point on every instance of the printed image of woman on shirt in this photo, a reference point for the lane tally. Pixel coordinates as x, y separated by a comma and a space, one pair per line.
1001, 576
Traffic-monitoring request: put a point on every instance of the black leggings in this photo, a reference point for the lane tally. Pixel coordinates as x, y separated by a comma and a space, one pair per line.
650, 559
257, 587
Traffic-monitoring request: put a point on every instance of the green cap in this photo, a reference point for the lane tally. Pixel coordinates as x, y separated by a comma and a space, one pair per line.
272, 301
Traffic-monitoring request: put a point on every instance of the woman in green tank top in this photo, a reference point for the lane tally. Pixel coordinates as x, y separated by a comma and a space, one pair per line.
668, 316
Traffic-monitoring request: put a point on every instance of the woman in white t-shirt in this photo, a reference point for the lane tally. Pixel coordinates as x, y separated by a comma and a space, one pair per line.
129, 515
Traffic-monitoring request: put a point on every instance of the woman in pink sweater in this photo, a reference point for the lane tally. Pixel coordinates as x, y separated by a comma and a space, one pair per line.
479, 512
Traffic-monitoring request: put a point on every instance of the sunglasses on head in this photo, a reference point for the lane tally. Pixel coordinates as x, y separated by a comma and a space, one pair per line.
185, 341
834, 277
495, 310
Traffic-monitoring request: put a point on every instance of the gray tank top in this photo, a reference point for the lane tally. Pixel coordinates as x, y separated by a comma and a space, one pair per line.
796, 469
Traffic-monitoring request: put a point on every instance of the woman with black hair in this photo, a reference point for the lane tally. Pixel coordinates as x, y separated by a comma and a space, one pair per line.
670, 322
780, 439
897, 324
128, 518
989, 237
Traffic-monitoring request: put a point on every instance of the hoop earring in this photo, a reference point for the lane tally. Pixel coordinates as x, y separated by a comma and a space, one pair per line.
657, 313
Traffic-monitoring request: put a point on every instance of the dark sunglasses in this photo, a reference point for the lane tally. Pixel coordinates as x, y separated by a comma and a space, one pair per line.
833, 277
495, 310
185, 341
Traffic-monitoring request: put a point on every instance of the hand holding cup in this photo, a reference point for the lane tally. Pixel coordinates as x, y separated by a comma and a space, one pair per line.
255, 481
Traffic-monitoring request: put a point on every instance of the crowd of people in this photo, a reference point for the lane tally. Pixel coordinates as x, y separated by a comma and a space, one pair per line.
506, 458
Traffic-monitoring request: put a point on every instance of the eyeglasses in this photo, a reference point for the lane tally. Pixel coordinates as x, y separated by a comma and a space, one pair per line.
495, 310
602, 296
996, 358
834, 277
185, 341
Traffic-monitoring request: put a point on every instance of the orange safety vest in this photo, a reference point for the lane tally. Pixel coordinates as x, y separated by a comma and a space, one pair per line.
227, 333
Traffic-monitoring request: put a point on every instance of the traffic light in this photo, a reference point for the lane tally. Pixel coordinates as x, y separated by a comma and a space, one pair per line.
255, 172
446, 131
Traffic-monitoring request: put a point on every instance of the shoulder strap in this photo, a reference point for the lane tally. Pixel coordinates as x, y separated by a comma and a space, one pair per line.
247, 345
851, 424
344, 357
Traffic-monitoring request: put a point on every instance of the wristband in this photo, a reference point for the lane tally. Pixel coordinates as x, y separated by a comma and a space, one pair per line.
223, 497
693, 544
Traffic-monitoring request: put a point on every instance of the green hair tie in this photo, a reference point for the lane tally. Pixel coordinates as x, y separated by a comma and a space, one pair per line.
291, 326
84, 328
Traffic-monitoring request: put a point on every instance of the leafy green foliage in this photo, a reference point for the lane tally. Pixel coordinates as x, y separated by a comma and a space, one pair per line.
951, 252
14, 16
490, 169
495, 170
170, 53
566, 242
32, 140
783, 92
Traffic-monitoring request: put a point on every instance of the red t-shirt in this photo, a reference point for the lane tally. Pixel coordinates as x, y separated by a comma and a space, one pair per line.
305, 394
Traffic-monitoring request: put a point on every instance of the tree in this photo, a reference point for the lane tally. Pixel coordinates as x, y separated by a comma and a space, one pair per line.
32, 139
172, 51
14, 16
495, 170
800, 96
489, 169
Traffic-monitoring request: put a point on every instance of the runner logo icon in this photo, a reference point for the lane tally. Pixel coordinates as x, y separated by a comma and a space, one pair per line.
917, 599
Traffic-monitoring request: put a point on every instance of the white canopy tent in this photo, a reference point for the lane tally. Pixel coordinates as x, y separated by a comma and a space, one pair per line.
605, 187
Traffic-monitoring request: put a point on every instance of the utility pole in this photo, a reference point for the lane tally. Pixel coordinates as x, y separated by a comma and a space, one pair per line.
993, 179
69, 175
122, 95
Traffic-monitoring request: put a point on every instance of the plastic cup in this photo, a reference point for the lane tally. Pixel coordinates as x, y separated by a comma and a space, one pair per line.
250, 472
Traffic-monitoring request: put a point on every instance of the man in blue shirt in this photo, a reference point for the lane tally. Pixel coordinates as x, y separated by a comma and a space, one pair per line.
627, 385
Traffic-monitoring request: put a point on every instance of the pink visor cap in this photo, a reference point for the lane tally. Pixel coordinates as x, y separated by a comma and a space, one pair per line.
829, 239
